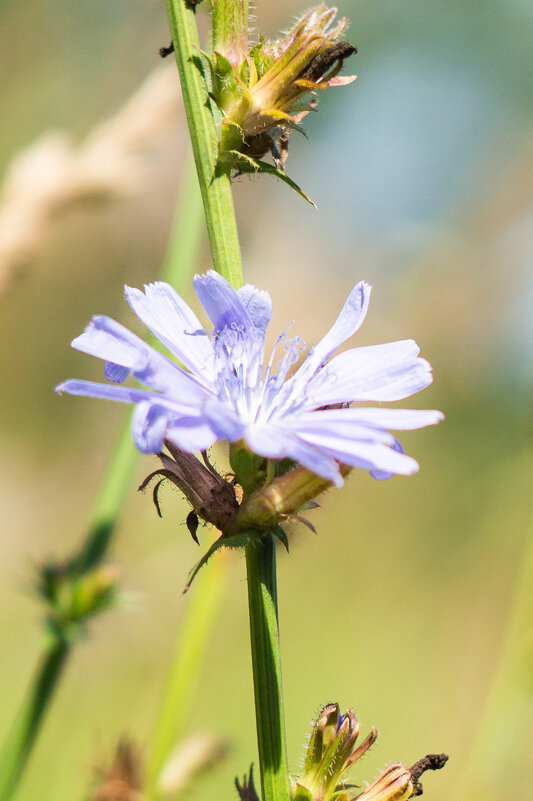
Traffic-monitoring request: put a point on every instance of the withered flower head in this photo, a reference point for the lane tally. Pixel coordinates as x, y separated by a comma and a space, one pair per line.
261, 93
212, 498
122, 780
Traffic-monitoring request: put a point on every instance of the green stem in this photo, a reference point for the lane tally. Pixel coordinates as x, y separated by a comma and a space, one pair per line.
260, 561
264, 634
178, 265
214, 182
26, 726
183, 675
230, 29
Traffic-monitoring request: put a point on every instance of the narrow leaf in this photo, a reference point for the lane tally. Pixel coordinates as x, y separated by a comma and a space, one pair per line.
247, 164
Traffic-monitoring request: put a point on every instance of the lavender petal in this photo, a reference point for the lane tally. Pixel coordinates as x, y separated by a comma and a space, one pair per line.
274, 443
109, 340
258, 304
174, 323
221, 302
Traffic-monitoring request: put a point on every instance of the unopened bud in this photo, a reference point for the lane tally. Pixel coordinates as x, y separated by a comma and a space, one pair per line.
283, 497
230, 31
330, 754
261, 92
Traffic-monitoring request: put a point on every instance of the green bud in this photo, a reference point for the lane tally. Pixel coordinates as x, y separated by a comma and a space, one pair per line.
73, 597
330, 754
230, 31
283, 497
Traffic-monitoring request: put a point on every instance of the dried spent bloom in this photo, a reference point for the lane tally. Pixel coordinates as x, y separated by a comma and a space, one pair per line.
53, 176
122, 780
212, 498
224, 388
264, 93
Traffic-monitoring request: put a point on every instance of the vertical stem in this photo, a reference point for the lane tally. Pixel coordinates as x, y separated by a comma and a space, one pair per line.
260, 561
264, 634
26, 726
214, 182
183, 675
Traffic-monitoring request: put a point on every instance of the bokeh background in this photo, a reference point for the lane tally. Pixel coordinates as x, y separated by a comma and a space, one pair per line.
422, 172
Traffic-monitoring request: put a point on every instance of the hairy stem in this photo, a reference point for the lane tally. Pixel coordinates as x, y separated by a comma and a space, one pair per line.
214, 182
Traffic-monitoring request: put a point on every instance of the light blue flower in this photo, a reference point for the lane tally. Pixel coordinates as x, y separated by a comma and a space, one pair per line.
223, 387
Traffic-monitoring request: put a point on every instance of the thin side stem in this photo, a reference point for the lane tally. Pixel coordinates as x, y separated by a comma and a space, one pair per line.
184, 245
214, 182
264, 634
29, 719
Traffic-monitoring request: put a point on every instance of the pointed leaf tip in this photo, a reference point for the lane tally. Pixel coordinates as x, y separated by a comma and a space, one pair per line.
247, 164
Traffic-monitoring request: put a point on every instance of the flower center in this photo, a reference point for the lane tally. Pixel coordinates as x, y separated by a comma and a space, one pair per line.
242, 380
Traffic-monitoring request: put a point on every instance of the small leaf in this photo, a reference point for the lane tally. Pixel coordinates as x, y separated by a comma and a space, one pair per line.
247, 164
232, 541
192, 524
246, 790
281, 535
302, 794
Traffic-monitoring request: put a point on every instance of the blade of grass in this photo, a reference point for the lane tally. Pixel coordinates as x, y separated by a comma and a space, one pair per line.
495, 743
183, 675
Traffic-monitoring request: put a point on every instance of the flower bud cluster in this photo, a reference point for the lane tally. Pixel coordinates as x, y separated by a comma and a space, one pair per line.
74, 595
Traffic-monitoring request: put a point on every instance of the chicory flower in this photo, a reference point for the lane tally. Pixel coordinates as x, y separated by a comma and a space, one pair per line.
221, 386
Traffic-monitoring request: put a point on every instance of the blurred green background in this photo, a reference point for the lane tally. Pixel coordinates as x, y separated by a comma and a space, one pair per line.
423, 175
